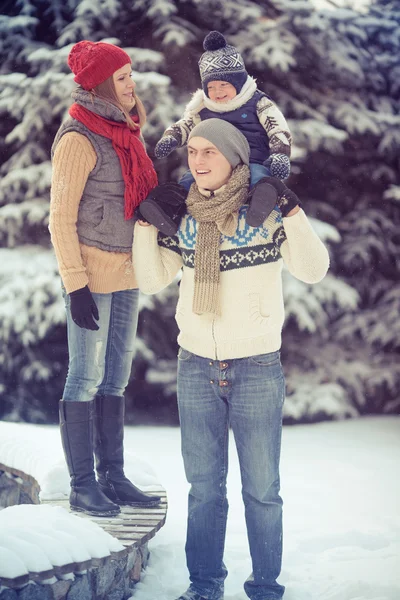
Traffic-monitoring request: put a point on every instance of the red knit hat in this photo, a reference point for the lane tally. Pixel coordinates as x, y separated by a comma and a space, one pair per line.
94, 62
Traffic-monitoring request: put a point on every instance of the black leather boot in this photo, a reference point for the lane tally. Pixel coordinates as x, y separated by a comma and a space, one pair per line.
109, 452
76, 425
164, 207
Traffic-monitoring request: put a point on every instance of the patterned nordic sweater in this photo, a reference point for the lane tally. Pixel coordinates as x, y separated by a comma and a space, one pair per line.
251, 300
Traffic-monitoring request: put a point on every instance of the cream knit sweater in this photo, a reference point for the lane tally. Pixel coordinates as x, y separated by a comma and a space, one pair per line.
251, 299
79, 265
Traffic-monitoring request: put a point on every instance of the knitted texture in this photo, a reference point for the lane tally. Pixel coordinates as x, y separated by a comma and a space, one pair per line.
94, 62
165, 146
251, 297
221, 62
215, 215
279, 165
137, 169
79, 264
227, 138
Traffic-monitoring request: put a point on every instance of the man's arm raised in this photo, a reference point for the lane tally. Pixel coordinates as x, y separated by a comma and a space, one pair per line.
304, 254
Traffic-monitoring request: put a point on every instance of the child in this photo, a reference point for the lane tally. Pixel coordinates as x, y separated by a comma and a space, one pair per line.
228, 93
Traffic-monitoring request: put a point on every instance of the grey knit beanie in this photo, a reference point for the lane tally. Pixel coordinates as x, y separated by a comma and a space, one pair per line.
226, 137
221, 62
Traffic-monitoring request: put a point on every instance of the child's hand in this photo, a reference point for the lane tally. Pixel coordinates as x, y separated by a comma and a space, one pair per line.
165, 146
279, 165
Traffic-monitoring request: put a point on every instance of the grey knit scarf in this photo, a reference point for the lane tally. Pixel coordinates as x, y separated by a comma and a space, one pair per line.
215, 215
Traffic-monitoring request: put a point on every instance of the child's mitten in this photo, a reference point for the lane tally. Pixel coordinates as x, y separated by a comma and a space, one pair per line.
279, 165
165, 146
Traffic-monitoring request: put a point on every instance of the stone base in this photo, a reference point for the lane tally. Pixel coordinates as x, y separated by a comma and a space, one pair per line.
112, 581
110, 578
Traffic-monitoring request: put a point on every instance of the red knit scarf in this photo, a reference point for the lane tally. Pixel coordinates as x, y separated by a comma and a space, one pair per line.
137, 169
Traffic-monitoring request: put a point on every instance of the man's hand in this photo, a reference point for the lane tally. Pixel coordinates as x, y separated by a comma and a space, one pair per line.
84, 309
165, 146
288, 203
287, 200
293, 211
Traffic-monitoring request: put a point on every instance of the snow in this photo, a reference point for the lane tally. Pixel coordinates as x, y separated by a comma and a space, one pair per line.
334, 6
392, 193
341, 509
43, 537
28, 272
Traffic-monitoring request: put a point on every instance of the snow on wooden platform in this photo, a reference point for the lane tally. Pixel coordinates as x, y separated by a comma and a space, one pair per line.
133, 527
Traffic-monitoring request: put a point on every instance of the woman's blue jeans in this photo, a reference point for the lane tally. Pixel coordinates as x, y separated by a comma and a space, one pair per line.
248, 394
100, 361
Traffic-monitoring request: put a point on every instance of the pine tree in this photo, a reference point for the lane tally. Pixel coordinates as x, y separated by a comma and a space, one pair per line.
334, 74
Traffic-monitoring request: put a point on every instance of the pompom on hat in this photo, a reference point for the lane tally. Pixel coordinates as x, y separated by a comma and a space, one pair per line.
94, 62
221, 62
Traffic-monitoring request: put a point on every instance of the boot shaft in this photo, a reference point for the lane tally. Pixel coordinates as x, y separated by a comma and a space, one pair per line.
76, 427
109, 416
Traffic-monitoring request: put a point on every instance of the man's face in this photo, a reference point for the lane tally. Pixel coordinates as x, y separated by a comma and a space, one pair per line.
207, 164
221, 91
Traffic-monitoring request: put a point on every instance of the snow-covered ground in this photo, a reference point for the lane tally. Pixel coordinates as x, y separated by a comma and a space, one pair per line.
341, 494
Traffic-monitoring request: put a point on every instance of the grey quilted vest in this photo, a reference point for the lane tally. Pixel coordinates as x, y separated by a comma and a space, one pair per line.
101, 219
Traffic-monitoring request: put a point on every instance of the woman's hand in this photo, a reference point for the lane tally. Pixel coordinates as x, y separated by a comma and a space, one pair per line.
83, 309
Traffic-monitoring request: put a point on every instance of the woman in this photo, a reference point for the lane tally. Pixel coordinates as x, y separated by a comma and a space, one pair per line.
101, 172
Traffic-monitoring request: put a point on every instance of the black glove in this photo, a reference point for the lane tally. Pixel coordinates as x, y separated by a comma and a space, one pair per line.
83, 309
287, 199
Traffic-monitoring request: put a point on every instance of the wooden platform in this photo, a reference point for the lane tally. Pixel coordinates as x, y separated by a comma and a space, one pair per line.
133, 527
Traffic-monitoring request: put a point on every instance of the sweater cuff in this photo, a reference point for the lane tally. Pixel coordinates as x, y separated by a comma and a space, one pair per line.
74, 281
145, 234
297, 222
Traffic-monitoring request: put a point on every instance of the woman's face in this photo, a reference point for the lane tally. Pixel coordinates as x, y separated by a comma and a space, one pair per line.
124, 86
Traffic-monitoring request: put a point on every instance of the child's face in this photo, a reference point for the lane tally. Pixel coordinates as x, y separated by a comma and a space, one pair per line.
221, 91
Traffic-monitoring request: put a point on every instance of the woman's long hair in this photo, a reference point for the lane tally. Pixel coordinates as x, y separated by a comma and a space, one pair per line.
106, 90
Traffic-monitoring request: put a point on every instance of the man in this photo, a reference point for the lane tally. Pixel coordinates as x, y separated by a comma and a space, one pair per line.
230, 315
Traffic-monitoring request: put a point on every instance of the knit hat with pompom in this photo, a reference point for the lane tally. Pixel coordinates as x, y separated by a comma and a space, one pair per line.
221, 62
94, 62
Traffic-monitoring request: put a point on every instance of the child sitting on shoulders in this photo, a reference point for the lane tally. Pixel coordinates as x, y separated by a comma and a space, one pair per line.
228, 93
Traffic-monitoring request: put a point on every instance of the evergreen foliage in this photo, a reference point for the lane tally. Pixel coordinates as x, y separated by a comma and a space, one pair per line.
334, 73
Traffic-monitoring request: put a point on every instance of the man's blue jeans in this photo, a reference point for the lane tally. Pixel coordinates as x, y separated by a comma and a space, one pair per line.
248, 394
100, 361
